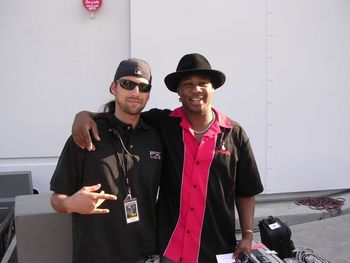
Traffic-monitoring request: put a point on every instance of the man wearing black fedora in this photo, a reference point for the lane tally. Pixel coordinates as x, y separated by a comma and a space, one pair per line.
208, 169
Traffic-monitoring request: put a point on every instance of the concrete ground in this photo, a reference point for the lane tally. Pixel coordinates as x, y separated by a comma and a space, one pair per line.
319, 230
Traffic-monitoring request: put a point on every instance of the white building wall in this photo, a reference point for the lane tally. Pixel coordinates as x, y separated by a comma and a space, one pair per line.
54, 61
308, 63
287, 66
286, 62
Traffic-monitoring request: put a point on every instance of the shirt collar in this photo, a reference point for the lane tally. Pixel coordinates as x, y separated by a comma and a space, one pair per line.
221, 119
114, 122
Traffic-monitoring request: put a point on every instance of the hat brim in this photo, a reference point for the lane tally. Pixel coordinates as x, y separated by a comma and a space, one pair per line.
173, 79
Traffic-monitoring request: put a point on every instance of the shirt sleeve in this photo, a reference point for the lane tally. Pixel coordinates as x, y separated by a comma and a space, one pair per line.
66, 178
248, 182
155, 117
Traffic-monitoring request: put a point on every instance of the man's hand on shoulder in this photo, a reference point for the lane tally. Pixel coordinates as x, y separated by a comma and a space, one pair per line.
83, 123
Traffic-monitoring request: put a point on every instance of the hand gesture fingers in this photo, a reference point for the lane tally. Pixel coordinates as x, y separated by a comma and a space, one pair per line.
99, 211
103, 196
99, 200
87, 201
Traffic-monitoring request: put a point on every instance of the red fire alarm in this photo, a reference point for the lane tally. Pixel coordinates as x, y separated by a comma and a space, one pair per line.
92, 6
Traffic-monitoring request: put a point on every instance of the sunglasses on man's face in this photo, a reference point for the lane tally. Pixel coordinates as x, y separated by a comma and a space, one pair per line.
130, 85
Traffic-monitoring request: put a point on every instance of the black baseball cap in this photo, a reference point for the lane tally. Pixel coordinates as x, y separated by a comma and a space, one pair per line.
134, 67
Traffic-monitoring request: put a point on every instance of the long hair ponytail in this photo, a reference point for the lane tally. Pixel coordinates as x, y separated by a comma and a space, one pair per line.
109, 107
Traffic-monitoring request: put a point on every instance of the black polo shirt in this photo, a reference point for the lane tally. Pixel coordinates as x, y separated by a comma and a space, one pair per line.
229, 170
108, 238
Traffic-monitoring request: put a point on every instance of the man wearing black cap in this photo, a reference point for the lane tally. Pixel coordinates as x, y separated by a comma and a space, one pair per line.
209, 167
119, 226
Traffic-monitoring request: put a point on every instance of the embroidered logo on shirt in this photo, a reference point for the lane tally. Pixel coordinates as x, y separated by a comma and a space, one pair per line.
223, 152
222, 149
154, 155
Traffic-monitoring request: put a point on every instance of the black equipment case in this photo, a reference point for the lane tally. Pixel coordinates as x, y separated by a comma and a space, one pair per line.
276, 235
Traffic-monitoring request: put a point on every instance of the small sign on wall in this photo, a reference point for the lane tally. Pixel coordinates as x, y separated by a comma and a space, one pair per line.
92, 6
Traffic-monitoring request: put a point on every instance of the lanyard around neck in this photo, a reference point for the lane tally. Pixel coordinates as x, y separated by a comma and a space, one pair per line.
123, 160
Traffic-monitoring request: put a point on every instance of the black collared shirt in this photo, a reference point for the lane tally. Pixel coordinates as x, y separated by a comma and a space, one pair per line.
108, 238
232, 172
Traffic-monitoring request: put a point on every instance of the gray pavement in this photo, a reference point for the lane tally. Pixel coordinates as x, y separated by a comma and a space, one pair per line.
319, 230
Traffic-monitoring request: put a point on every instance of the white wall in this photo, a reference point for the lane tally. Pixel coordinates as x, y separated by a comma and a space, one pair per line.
54, 61
287, 65
286, 61
309, 61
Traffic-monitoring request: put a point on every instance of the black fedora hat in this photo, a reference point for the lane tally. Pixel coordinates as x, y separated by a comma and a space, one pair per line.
194, 64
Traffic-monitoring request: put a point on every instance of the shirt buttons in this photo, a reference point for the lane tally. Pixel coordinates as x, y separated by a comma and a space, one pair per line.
192, 209
131, 146
197, 162
188, 231
194, 186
